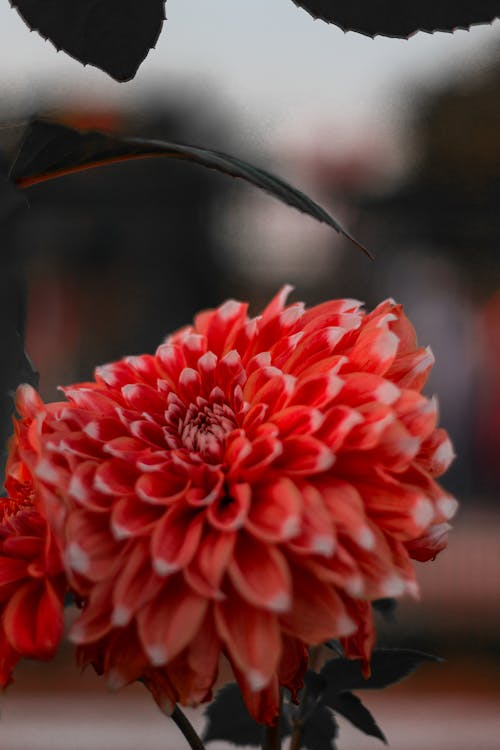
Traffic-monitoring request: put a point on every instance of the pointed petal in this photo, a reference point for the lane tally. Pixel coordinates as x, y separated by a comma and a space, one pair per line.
168, 623
260, 574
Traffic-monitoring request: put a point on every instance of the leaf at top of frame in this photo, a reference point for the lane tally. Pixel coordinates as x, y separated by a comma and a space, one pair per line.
114, 35
400, 18
51, 150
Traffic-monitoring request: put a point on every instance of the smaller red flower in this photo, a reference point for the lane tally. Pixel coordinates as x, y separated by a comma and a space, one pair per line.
32, 581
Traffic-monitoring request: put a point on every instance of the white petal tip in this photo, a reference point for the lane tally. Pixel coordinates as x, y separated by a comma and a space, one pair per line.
256, 680
393, 586
121, 616
77, 559
157, 655
447, 506
365, 538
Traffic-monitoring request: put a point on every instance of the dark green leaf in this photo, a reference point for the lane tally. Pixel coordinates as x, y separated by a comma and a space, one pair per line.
320, 731
114, 35
401, 19
229, 720
351, 708
386, 607
387, 667
51, 150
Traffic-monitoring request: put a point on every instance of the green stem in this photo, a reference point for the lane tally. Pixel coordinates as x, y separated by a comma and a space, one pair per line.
187, 729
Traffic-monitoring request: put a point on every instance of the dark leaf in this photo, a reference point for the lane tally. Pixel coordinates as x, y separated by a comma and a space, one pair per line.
399, 18
387, 667
351, 708
229, 720
52, 150
386, 607
114, 35
320, 731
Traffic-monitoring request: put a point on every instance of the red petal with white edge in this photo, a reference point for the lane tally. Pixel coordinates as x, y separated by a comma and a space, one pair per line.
208, 568
131, 517
367, 434
27, 547
428, 546
28, 402
194, 346
365, 387
91, 400
396, 448
223, 326
115, 374
277, 304
161, 487
171, 361
316, 390
230, 511
275, 393
135, 585
252, 637
90, 548
337, 425
326, 313
317, 534
104, 430
318, 612
33, 620
257, 457
81, 445
399, 509
262, 705
143, 398
175, 539
304, 455
260, 574
168, 623
81, 488
95, 620
202, 656
346, 509
275, 510
375, 350
417, 413
115, 477
125, 448
230, 372
412, 370
298, 420
437, 453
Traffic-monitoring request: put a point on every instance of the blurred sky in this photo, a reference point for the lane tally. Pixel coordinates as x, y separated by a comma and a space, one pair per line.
269, 62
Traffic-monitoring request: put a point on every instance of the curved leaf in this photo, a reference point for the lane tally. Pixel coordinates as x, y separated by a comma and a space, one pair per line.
114, 35
400, 18
352, 709
387, 667
229, 720
52, 150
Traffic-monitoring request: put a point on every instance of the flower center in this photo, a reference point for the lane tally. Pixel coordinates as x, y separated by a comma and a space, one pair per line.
204, 428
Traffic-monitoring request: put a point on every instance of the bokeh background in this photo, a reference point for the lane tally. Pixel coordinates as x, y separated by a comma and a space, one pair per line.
400, 141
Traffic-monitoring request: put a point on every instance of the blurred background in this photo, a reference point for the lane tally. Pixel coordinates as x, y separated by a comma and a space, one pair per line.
399, 141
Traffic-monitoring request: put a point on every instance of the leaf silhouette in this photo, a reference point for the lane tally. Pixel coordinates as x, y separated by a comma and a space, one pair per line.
400, 18
228, 719
353, 709
387, 667
49, 150
114, 35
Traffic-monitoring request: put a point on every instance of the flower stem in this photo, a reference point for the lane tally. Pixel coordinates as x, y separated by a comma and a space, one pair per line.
187, 729
272, 735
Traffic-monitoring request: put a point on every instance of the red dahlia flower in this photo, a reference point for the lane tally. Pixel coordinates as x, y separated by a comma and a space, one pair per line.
247, 490
32, 581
